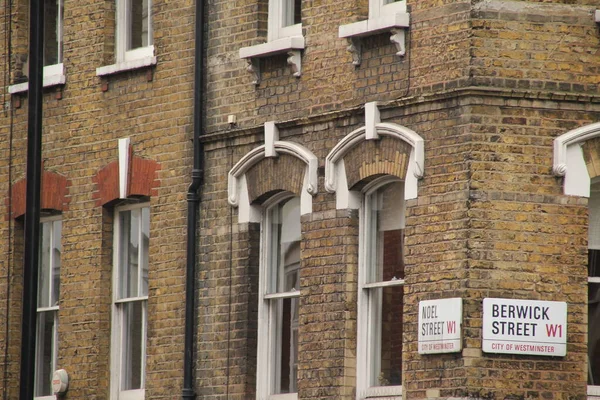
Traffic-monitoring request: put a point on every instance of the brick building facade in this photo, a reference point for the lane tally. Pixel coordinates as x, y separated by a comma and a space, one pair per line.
359, 157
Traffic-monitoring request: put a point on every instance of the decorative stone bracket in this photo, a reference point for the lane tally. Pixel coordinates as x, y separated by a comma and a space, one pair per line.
291, 46
395, 24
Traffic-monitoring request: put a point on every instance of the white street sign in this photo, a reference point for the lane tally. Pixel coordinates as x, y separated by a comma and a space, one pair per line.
440, 326
525, 327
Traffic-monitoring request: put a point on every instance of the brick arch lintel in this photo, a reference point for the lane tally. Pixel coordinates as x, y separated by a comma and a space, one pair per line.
143, 180
335, 172
237, 185
575, 156
54, 194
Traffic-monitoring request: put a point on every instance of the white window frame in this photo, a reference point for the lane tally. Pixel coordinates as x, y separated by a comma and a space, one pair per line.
117, 337
368, 335
276, 20
50, 308
269, 321
53, 74
129, 59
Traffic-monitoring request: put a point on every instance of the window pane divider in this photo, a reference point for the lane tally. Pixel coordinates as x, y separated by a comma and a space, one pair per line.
282, 295
44, 309
395, 282
131, 299
594, 279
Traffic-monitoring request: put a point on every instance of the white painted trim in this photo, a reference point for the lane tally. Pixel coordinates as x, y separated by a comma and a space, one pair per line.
237, 188
54, 75
396, 282
282, 295
380, 391
280, 40
275, 23
271, 136
124, 144
279, 46
365, 306
117, 316
569, 162
373, 26
593, 391
266, 364
335, 183
126, 66
597, 16
286, 396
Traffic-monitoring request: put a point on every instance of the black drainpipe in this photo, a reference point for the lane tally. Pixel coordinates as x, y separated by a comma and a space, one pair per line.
32, 207
193, 199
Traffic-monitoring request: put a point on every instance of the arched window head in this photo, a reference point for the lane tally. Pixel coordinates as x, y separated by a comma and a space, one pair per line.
277, 165
373, 150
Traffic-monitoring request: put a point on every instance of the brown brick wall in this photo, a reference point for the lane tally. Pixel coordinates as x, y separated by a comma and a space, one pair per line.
80, 138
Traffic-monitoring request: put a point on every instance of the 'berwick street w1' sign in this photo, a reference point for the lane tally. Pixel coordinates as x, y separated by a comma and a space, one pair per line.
525, 327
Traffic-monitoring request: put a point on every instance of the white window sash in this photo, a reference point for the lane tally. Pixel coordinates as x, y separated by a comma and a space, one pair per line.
123, 19
377, 8
395, 282
276, 29
282, 295
118, 326
270, 315
369, 309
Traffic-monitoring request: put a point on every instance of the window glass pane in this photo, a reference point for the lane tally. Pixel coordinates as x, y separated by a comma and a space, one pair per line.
129, 242
45, 353
291, 12
386, 234
287, 338
133, 352
53, 17
139, 24
387, 335
285, 246
144, 249
44, 265
594, 333
56, 257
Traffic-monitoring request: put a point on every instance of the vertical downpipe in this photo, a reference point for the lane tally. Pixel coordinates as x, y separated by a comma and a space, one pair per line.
32, 211
193, 199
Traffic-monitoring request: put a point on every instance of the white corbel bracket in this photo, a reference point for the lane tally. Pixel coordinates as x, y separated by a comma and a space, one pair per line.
355, 49
254, 69
295, 61
399, 39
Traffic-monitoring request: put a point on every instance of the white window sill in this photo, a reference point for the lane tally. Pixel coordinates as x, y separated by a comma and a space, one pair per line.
383, 391
279, 46
136, 394
375, 26
126, 66
54, 75
593, 392
288, 45
396, 24
45, 398
286, 396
